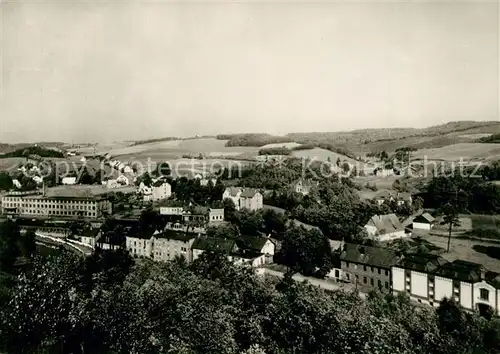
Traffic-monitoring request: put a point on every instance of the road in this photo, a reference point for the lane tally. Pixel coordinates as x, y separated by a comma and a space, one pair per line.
321, 283
58, 241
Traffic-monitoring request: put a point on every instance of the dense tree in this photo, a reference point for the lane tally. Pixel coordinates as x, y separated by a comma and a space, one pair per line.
27, 244
9, 247
5, 181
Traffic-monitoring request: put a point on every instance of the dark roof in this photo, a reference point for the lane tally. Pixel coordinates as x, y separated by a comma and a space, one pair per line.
373, 256
173, 235
386, 223
249, 193
213, 244
427, 263
233, 191
253, 243
159, 183
462, 270
425, 218
245, 254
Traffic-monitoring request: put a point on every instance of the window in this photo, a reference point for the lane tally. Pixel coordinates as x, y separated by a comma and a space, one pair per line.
365, 280
379, 271
371, 281
364, 268
484, 294
380, 284
387, 285
387, 273
337, 275
347, 276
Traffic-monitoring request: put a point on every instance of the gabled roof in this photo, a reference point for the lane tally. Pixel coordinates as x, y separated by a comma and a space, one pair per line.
173, 235
385, 223
427, 263
249, 193
233, 191
462, 270
213, 244
251, 243
425, 217
373, 256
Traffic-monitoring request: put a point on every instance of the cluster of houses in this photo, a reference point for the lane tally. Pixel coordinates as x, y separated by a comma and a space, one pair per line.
426, 278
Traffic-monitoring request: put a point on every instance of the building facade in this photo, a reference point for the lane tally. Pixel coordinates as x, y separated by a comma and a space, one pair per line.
429, 279
251, 199
367, 267
385, 227
168, 245
37, 205
215, 215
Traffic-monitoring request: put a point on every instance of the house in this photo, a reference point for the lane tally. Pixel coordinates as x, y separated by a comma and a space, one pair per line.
110, 241
169, 244
233, 193
302, 187
385, 227
251, 199
89, 236
128, 170
388, 196
38, 179
215, 215
161, 190
384, 172
368, 267
125, 179
253, 250
212, 244
424, 221
139, 245
69, 180
111, 183
336, 272
429, 279
205, 181
16, 183
172, 211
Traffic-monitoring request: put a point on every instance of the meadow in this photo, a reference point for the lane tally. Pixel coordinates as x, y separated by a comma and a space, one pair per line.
466, 151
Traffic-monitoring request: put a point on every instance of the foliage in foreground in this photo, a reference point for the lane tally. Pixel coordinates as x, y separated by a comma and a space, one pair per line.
106, 304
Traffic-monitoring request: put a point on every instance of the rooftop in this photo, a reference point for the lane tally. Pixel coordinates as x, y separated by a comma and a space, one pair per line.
213, 244
373, 256
427, 263
249, 193
385, 223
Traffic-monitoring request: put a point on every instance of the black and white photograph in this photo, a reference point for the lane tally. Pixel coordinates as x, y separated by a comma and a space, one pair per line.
249, 177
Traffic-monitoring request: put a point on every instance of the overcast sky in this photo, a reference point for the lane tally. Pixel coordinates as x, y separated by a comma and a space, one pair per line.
106, 71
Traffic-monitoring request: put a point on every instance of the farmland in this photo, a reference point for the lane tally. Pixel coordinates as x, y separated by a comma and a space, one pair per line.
465, 151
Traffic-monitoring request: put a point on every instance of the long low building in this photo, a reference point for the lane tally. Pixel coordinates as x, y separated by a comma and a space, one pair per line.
39, 205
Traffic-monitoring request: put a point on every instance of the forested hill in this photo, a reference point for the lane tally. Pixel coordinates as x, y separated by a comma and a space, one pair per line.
33, 150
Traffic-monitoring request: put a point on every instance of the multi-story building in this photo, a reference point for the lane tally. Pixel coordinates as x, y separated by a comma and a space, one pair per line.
429, 279
139, 246
38, 205
367, 267
251, 199
169, 244
233, 193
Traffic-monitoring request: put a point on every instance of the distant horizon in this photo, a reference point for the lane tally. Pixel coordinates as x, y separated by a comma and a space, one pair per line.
116, 71
240, 133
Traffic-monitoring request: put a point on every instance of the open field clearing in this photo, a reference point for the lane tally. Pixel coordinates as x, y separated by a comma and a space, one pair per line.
276, 145
319, 154
10, 164
475, 136
466, 151
465, 249
380, 182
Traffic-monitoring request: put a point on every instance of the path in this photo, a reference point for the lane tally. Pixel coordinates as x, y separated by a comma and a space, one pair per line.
55, 240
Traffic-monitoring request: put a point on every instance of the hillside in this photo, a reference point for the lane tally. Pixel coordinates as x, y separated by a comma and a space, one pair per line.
33, 150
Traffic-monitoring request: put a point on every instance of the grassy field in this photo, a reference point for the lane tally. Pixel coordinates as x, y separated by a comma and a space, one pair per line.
466, 151
323, 155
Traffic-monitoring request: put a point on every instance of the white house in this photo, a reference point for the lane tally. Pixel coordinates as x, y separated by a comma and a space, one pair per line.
139, 247
125, 179
128, 169
424, 221
429, 279
38, 179
16, 183
205, 181
69, 180
234, 194
111, 183
385, 227
158, 191
171, 210
251, 199
215, 215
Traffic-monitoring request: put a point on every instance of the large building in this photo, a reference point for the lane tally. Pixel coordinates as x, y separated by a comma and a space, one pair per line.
59, 205
169, 244
368, 267
429, 279
250, 199
385, 227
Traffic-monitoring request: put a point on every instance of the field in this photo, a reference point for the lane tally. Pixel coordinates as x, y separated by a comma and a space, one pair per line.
465, 151
323, 155
287, 145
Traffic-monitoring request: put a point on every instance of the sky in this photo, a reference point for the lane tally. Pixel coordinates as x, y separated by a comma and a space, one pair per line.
90, 71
